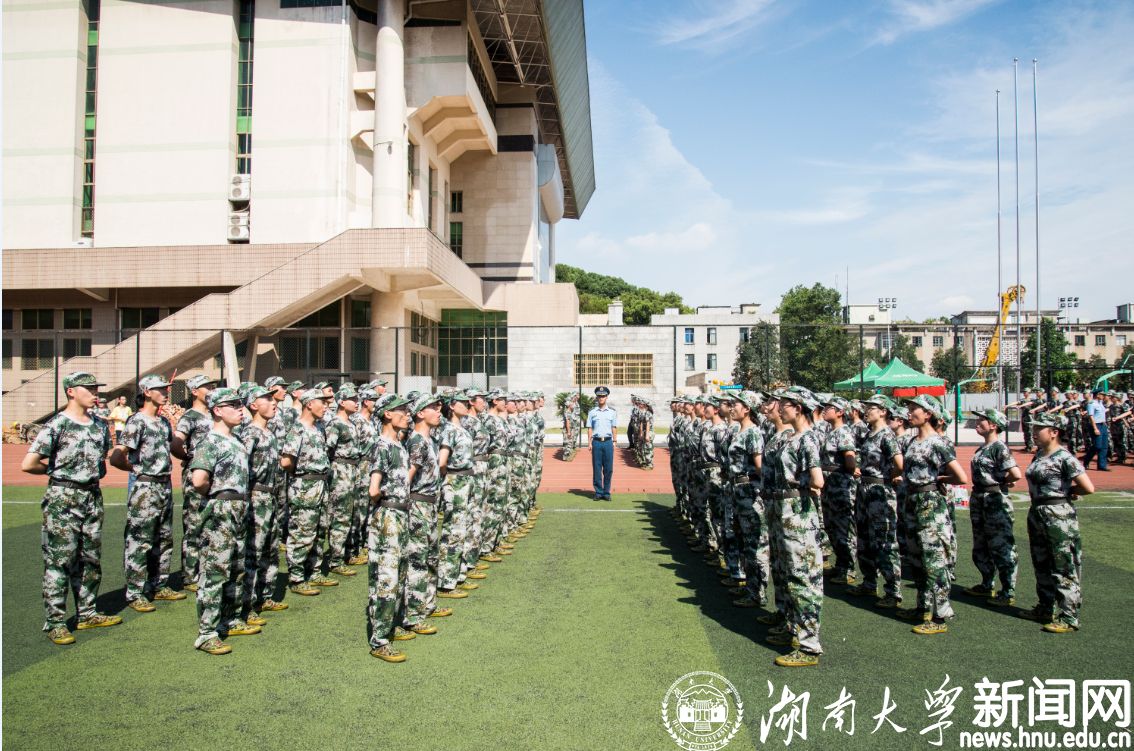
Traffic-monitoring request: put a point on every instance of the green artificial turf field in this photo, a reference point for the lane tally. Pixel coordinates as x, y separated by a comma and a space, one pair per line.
569, 644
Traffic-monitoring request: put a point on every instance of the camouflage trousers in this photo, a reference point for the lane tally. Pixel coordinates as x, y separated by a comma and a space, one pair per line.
930, 550
261, 553
570, 444
148, 538
877, 511
644, 453
342, 497
386, 541
72, 552
702, 512
496, 498
906, 532
359, 521
724, 517
221, 578
675, 480
1057, 555
752, 520
306, 499
773, 509
994, 544
421, 561
838, 514
800, 561
191, 502
456, 501
517, 491
477, 508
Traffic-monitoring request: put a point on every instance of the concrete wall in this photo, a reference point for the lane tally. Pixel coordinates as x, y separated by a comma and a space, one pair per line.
45, 53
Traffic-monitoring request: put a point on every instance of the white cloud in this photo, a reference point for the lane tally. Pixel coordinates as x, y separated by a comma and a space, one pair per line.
911, 16
714, 24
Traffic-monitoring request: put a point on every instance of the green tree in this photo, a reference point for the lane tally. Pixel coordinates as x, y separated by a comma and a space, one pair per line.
1056, 359
816, 349
759, 363
950, 364
596, 291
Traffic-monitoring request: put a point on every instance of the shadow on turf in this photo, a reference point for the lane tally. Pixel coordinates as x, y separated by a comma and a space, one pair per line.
707, 593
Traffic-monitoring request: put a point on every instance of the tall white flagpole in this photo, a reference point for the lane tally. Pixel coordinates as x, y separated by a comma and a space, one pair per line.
1019, 307
1035, 128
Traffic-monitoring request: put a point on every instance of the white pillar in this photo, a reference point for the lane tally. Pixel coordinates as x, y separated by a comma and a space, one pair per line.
387, 346
388, 202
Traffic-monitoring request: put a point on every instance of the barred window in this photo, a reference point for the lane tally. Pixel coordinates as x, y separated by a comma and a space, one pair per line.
76, 348
614, 370
37, 354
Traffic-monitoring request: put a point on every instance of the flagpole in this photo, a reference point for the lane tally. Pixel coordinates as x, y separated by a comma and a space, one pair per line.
1035, 128
1019, 311
999, 264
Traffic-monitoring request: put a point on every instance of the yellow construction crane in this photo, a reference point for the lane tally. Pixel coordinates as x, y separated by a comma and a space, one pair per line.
986, 370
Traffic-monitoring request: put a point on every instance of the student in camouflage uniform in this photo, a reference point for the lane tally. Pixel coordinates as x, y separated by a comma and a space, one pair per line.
897, 422
366, 430
261, 555
993, 471
478, 499
388, 530
456, 461
645, 442
712, 437
727, 530
796, 487
219, 472
495, 425
303, 455
514, 452
840, 488
571, 417
745, 460
928, 461
71, 450
345, 451
421, 549
877, 507
193, 426
537, 451
149, 507
1055, 479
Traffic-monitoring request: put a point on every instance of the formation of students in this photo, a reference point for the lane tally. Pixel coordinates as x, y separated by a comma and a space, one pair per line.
640, 431
427, 490
786, 491
1099, 423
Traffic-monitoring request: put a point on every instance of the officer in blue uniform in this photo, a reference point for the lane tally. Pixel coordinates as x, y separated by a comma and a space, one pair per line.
602, 434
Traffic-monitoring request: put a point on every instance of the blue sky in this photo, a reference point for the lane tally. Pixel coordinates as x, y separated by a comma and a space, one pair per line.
744, 147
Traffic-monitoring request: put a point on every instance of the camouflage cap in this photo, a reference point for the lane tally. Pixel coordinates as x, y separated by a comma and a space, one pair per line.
799, 395
926, 402
255, 393
223, 395
367, 394
311, 395
994, 416
320, 385
378, 382
387, 402
749, 399
152, 382
200, 381
295, 386
244, 388
473, 393
345, 392
423, 401
412, 395
879, 400
900, 412
495, 394
274, 381
1049, 420
457, 396
839, 403
80, 378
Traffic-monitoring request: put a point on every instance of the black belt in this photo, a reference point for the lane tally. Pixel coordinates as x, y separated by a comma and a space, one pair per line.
482, 457
745, 480
393, 505
227, 495
780, 495
260, 487
708, 465
923, 488
600, 440
423, 497
985, 488
1051, 500
868, 480
92, 485
832, 468
459, 472
320, 475
151, 478
348, 460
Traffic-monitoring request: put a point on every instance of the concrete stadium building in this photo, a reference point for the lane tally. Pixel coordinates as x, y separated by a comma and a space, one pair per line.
188, 181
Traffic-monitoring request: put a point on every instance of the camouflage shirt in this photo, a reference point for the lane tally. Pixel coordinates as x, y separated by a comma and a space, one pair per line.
748, 442
904, 440
708, 443
877, 453
342, 440
147, 440
194, 426
925, 460
836, 443
263, 454
772, 448
496, 431
366, 433
423, 456
75, 451
481, 440
515, 435
391, 459
308, 446
281, 422
1053, 475
460, 445
990, 464
798, 455
226, 459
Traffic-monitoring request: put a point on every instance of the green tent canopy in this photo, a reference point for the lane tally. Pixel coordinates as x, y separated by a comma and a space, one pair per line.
863, 378
897, 375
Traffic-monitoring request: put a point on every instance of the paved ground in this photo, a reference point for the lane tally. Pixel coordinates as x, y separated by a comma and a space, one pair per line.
575, 476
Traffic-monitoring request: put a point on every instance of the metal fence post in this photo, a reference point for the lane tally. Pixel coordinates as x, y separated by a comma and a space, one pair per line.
55, 352
861, 364
397, 354
674, 339
307, 357
138, 356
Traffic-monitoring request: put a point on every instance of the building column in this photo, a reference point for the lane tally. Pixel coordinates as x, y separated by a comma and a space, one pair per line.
388, 202
387, 346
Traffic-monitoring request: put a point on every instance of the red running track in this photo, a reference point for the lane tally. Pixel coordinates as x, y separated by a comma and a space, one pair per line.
562, 477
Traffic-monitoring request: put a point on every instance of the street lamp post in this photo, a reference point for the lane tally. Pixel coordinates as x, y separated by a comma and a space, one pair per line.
886, 304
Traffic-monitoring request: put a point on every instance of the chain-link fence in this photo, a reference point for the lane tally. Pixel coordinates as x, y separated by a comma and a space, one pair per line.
656, 362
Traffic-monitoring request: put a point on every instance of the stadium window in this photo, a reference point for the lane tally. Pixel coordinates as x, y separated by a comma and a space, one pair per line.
690, 362
37, 354
360, 353
711, 335
457, 202
38, 318
614, 369
457, 238
77, 318
76, 348
325, 317
138, 318
710, 361
7, 354
8, 319
359, 316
